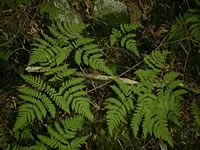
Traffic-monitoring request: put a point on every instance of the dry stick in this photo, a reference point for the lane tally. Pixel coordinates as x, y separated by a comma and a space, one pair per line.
132, 81
95, 76
161, 43
106, 78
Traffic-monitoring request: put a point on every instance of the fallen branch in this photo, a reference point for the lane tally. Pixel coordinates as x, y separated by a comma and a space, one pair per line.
90, 76
108, 78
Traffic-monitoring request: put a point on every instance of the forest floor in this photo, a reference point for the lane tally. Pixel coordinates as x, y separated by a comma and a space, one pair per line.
19, 26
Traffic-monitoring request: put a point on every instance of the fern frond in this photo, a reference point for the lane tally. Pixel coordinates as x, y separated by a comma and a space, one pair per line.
59, 36
76, 143
42, 110
118, 109
126, 28
26, 114
196, 113
141, 112
40, 84
72, 31
45, 100
62, 134
61, 75
81, 105
115, 114
99, 64
157, 59
82, 41
130, 43
126, 37
64, 54
116, 34
26, 134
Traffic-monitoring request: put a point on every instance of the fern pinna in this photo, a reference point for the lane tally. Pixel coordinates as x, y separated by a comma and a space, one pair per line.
153, 102
126, 37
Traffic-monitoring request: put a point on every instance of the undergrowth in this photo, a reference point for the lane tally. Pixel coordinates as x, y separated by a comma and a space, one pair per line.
56, 111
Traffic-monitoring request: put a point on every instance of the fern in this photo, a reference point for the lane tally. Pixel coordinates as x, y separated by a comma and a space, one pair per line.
156, 106
126, 37
196, 113
75, 97
186, 25
51, 51
62, 135
118, 108
43, 97
154, 111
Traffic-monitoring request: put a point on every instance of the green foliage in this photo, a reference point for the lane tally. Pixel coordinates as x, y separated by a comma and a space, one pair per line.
187, 25
125, 36
52, 51
43, 98
196, 113
154, 106
151, 106
119, 108
62, 134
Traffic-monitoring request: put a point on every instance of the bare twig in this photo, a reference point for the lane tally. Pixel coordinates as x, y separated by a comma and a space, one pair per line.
90, 76
110, 78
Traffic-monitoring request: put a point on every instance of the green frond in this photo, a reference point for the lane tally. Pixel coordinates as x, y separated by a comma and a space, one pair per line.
157, 59
42, 97
82, 41
125, 37
99, 64
161, 130
40, 84
118, 109
77, 143
76, 97
138, 116
51, 71
48, 141
26, 134
126, 28
196, 113
36, 102
51, 40
116, 34
62, 134
81, 105
61, 75
116, 113
170, 76
35, 82
58, 35
27, 113
78, 56
131, 46
71, 82
18, 147
63, 55
72, 31
74, 123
